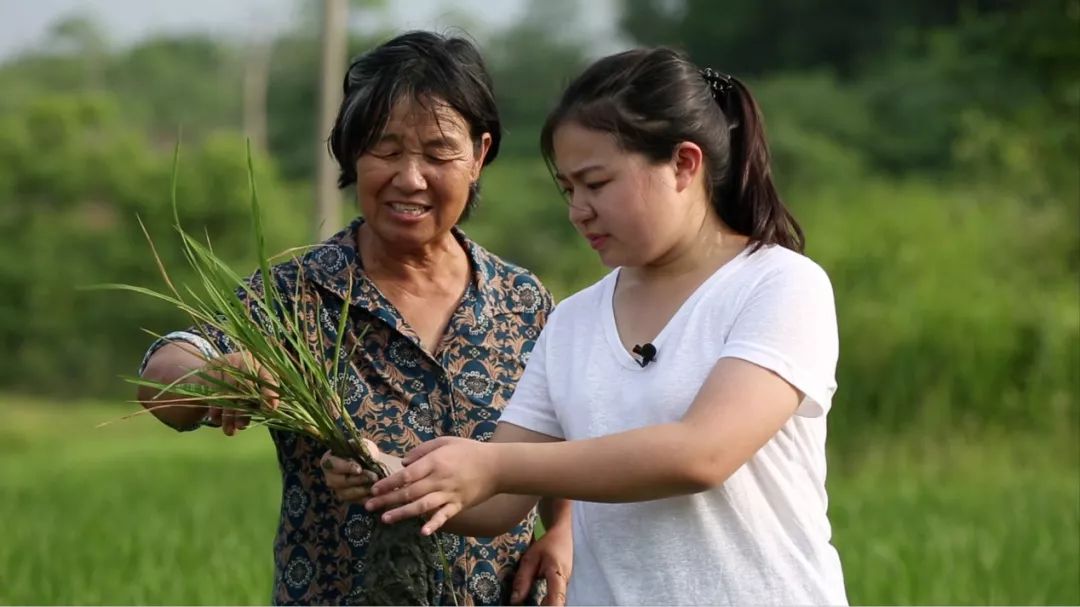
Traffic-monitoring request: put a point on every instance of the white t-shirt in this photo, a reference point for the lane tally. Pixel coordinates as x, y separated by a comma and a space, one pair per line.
763, 536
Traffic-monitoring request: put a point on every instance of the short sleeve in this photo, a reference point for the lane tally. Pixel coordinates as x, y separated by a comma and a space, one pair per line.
788, 326
531, 406
192, 336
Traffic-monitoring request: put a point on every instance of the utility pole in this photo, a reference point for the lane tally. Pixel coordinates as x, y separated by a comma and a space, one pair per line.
256, 83
334, 43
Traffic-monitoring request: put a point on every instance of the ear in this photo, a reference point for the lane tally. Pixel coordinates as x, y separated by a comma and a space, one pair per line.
689, 162
481, 154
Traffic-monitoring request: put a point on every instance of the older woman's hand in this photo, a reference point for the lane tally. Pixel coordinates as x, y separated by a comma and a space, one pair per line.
233, 420
348, 480
176, 361
551, 559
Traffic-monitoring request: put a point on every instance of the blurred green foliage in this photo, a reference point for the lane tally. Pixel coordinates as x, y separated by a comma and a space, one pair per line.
931, 151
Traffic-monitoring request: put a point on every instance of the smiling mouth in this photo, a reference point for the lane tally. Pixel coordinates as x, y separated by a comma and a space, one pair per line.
413, 210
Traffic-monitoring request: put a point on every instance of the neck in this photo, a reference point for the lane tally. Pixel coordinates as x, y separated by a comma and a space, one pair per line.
707, 247
431, 264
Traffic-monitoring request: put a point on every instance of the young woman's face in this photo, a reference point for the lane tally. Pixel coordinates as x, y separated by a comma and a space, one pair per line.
413, 184
628, 208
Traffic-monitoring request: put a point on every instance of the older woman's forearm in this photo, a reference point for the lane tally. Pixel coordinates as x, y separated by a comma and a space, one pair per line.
170, 363
494, 517
554, 512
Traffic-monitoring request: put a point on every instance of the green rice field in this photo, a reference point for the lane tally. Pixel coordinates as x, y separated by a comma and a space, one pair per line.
134, 513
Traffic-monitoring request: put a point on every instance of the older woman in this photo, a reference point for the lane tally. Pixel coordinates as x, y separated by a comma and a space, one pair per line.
443, 327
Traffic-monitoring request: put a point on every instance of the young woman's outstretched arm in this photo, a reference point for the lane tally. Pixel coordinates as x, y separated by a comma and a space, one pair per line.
738, 409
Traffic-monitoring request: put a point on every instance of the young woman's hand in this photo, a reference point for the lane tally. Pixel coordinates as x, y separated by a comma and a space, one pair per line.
348, 480
441, 478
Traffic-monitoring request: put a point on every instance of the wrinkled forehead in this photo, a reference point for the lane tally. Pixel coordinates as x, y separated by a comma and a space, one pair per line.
427, 115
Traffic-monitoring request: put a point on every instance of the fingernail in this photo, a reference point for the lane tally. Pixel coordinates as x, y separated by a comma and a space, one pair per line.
357, 470
386, 518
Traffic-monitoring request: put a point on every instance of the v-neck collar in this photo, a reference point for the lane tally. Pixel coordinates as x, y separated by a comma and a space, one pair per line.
336, 263
611, 327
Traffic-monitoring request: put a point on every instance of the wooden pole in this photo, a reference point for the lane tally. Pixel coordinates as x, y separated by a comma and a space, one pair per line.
334, 41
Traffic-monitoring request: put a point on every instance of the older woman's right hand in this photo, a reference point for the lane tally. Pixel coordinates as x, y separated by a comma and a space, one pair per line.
174, 363
348, 480
232, 420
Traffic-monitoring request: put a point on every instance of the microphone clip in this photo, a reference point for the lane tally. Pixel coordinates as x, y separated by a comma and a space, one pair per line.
647, 353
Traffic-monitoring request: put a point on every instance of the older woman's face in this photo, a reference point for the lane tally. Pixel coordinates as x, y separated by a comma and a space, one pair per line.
413, 184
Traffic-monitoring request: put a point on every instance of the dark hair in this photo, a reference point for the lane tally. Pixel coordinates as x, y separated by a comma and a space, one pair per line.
651, 100
421, 66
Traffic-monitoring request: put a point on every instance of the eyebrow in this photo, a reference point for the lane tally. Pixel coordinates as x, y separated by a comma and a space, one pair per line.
578, 174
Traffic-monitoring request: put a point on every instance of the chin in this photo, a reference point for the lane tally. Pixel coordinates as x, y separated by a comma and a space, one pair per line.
402, 234
623, 259
612, 260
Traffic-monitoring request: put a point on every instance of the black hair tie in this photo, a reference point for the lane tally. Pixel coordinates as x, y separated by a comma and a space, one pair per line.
719, 84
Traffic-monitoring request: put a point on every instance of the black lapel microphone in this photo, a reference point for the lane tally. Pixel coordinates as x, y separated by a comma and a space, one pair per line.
647, 352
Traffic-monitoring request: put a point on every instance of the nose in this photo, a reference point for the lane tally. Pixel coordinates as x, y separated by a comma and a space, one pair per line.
580, 211
409, 176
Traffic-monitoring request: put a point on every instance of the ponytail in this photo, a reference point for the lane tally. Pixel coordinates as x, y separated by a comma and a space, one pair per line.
750, 203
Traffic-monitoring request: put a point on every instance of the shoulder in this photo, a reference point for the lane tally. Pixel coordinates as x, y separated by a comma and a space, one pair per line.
510, 288
767, 282
775, 267
777, 287
584, 306
283, 276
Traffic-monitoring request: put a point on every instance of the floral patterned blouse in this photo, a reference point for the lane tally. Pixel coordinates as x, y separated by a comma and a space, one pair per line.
400, 396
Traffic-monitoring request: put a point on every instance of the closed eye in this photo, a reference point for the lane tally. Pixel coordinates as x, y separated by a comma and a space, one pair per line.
596, 185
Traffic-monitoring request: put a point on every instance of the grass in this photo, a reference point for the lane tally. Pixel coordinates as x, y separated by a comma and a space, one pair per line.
133, 513
987, 520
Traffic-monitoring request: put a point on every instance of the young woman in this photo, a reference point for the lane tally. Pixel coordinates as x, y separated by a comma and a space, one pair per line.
681, 400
